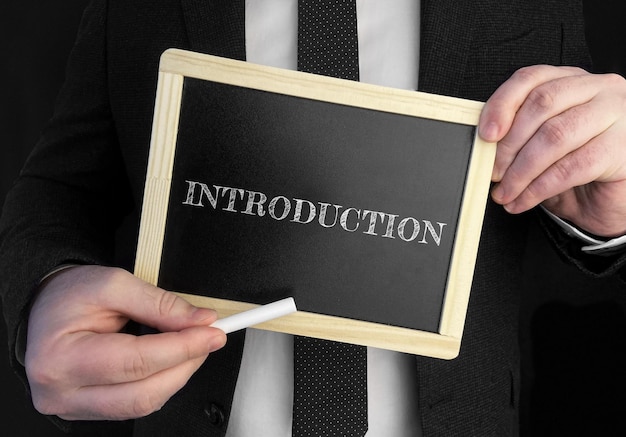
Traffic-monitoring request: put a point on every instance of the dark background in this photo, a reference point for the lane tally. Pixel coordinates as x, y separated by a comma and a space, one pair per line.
573, 328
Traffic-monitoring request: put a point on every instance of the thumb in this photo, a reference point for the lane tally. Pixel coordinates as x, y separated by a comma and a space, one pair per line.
167, 311
153, 306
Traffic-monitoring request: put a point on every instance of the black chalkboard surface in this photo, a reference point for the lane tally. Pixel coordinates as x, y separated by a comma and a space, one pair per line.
363, 203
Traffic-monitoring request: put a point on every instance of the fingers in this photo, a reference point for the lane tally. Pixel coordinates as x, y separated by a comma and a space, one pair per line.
117, 375
120, 358
578, 168
163, 310
500, 110
75, 351
124, 293
553, 114
119, 401
557, 128
520, 106
566, 151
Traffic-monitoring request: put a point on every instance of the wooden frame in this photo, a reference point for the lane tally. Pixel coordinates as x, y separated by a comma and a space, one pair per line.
176, 65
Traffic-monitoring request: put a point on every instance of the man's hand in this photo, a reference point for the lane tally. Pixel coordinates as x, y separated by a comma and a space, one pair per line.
561, 135
79, 365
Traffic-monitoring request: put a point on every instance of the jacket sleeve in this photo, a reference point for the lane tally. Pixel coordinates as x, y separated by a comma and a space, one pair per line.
569, 248
72, 192
575, 52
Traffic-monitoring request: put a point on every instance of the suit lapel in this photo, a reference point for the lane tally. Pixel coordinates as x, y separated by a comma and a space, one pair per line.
446, 34
216, 27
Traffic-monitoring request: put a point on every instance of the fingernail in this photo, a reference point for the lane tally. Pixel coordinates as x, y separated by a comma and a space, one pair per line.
217, 342
490, 131
202, 314
497, 193
496, 174
510, 207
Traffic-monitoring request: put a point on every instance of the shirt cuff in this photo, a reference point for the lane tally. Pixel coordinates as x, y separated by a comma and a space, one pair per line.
593, 245
57, 270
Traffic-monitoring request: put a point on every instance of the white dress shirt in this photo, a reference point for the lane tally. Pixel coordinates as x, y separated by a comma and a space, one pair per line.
388, 33
262, 406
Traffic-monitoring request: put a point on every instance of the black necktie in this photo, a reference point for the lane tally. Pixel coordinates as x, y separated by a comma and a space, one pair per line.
327, 38
330, 388
330, 378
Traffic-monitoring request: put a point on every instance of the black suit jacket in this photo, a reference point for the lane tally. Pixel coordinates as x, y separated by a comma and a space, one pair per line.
78, 197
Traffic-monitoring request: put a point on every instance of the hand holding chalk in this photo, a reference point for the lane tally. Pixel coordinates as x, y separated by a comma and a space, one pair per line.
256, 315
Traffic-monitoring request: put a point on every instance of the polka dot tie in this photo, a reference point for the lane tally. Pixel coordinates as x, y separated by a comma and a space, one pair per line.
330, 379
327, 38
330, 389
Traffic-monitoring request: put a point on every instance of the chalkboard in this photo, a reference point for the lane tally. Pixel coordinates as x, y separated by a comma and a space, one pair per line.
364, 203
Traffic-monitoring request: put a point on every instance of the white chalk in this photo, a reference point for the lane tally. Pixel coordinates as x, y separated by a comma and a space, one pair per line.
256, 315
